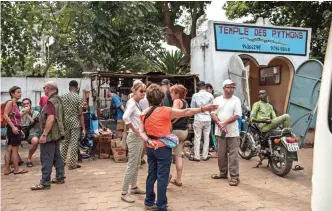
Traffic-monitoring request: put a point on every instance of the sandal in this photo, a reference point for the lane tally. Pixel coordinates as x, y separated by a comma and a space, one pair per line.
298, 168
23, 171
74, 167
176, 183
40, 187
218, 176
29, 164
234, 182
137, 191
8, 172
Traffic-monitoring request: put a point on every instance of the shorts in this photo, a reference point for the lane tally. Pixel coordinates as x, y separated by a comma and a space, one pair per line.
32, 135
182, 135
13, 139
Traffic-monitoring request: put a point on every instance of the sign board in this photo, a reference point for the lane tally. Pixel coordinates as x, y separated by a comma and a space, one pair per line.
257, 39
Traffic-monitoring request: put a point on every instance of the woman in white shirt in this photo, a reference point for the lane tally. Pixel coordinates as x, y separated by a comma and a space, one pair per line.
131, 117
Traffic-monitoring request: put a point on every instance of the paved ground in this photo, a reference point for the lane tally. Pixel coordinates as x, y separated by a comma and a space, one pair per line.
97, 186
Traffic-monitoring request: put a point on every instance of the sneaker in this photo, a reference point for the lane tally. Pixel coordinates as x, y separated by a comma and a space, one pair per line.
56, 181
151, 208
206, 159
40, 187
137, 191
127, 198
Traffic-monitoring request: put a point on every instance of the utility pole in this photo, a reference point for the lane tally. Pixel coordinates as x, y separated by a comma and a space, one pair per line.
203, 47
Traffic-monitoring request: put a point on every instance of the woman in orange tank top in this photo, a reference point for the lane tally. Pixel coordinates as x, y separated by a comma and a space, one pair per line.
156, 123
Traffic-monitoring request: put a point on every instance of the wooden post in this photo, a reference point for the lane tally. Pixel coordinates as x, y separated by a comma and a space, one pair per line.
195, 84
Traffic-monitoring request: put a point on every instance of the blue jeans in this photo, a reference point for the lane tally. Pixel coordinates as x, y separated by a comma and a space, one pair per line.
159, 168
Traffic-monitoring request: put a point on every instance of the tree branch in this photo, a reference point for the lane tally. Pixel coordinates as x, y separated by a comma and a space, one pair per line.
194, 19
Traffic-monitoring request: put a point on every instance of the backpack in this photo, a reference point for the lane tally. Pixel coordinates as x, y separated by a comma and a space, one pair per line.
3, 121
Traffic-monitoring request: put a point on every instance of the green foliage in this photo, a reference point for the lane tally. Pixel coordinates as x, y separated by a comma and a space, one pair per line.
170, 62
16, 18
88, 36
310, 14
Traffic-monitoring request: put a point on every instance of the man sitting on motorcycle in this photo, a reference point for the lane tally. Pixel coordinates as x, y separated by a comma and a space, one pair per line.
263, 113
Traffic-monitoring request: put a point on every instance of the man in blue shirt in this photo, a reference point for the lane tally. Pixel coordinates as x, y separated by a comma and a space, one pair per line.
118, 105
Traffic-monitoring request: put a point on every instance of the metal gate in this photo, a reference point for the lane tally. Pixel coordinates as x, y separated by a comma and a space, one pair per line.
302, 103
237, 73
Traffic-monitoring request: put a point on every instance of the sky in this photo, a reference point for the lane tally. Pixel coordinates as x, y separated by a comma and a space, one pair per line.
214, 12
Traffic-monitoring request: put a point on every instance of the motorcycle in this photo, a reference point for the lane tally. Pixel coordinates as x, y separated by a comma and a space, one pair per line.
277, 146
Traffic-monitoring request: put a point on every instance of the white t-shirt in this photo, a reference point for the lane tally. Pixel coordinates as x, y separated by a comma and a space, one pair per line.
132, 113
199, 99
226, 109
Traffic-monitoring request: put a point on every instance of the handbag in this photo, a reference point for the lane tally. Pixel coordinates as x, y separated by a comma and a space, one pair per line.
171, 140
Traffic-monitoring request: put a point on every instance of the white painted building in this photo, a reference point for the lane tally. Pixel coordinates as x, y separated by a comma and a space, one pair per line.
261, 56
213, 63
33, 87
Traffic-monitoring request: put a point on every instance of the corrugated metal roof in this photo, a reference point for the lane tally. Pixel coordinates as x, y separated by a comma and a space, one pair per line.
127, 74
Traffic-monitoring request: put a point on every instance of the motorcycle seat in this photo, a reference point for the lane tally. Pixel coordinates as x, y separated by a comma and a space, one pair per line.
276, 133
272, 133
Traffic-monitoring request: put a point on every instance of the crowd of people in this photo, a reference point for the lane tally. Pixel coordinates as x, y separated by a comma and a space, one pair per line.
157, 121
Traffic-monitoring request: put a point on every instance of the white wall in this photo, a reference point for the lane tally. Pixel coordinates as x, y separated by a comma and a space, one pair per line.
31, 87
216, 62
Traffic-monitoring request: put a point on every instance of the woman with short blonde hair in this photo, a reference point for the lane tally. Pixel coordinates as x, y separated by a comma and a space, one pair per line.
131, 117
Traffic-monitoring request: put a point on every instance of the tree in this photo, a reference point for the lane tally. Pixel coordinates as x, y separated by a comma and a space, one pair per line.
174, 33
16, 39
169, 62
88, 36
315, 15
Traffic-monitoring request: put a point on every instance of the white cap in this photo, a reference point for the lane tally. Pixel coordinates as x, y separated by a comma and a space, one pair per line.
228, 82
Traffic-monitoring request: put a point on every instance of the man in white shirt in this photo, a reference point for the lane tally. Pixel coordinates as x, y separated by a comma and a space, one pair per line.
227, 133
202, 121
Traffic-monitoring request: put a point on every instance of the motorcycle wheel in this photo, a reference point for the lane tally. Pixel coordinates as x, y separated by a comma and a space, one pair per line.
245, 149
281, 166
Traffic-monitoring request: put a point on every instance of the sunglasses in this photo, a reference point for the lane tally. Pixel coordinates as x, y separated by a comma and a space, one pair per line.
259, 94
142, 91
230, 87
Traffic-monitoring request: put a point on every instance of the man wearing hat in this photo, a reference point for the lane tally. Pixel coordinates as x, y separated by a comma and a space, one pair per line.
227, 133
202, 121
166, 85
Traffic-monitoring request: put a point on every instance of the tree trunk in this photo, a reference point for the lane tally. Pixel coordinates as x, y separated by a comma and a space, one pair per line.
175, 35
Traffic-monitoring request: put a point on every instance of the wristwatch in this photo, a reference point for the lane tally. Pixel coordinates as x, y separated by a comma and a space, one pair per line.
147, 140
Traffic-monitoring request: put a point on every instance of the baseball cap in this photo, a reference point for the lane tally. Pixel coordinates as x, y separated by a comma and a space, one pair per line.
228, 82
165, 82
201, 83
